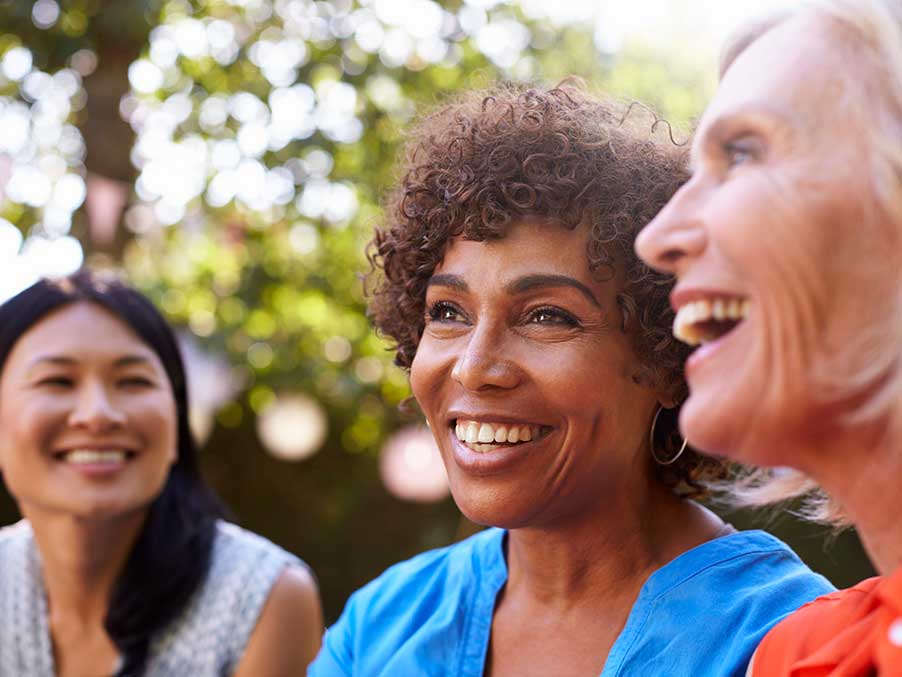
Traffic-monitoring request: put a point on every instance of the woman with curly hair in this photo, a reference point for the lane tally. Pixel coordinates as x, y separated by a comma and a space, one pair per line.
539, 350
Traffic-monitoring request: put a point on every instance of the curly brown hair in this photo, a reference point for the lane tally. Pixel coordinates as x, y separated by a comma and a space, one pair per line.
492, 157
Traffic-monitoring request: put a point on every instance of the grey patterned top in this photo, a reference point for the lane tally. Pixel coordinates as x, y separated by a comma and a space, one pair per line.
206, 640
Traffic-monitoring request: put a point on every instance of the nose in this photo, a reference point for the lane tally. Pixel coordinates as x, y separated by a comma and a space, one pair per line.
675, 236
485, 363
94, 410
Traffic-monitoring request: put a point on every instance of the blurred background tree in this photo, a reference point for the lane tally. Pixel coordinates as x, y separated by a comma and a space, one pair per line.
230, 157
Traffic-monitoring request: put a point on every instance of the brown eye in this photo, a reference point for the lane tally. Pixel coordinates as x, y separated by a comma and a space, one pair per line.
552, 316
56, 381
135, 382
445, 312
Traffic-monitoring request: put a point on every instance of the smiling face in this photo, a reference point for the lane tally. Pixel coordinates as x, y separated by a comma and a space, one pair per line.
87, 416
527, 380
771, 244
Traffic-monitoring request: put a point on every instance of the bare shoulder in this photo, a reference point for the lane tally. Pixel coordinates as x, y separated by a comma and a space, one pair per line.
290, 628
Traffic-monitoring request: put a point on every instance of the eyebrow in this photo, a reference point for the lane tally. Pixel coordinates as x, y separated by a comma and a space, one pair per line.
520, 285
62, 360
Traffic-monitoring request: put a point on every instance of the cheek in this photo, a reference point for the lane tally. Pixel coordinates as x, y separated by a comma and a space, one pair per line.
426, 374
157, 422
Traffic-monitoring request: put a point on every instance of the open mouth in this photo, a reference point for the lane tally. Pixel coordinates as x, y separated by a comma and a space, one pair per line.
483, 437
707, 320
94, 456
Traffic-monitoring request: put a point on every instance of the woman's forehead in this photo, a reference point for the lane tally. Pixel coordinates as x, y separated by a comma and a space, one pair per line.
81, 331
790, 71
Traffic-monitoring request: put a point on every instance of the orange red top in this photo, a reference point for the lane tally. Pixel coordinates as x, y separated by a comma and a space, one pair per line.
844, 634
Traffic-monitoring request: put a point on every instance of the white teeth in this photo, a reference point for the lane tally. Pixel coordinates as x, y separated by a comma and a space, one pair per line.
86, 456
718, 310
486, 436
696, 312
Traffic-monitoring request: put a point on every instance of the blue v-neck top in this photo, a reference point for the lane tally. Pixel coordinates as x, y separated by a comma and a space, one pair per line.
701, 614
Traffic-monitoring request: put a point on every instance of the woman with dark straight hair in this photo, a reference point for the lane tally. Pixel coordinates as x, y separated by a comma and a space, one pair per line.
122, 564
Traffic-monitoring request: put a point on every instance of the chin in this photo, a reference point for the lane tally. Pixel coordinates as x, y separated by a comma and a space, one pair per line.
490, 509
747, 431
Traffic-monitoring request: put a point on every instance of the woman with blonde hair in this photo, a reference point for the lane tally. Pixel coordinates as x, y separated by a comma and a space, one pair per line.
787, 246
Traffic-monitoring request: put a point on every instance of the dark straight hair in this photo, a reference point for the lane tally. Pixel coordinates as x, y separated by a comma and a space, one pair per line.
172, 554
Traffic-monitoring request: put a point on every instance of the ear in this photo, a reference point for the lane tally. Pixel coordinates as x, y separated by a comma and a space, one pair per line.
668, 396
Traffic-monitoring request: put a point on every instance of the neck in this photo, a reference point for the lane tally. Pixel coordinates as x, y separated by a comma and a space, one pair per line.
81, 561
861, 472
607, 551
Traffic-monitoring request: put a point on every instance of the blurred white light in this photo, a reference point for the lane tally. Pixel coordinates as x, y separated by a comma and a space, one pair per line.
337, 349
411, 466
178, 171
368, 369
69, 192
293, 427
253, 139
342, 203
15, 122
45, 13
52, 258
304, 238
396, 48
211, 383
384, 92
222, 188
178, 107
392, 12
30, 186
313, 201
84, 61
10, 241
423, 18
220, 33
56, 222
245, 107
145, 76
432, 49
16, 63
214, 111
503, 41
191, 38
68, 81
484, 4
472, 19
318, 163
279, 186
36, 84
251, 181
164, 51
225, 154
17, 276
168, 213
369, 35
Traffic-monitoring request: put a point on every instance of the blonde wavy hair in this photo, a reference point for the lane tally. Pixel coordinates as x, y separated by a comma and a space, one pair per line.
870, 371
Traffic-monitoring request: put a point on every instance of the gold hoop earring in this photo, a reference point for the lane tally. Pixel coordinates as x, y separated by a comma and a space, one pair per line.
651, 441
